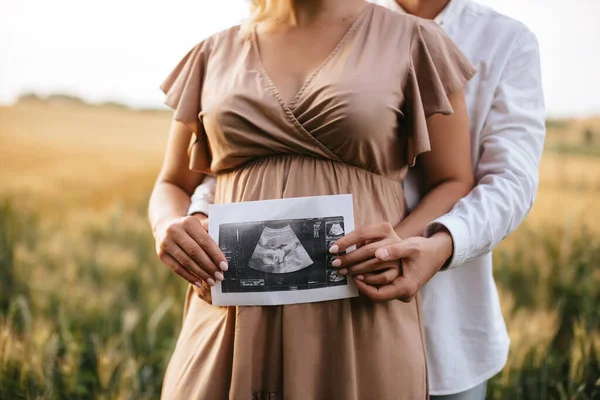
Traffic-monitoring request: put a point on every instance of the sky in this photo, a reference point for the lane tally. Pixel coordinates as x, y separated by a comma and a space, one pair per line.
120, 50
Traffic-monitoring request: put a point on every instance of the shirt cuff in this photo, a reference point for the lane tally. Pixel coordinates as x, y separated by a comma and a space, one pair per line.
203, 196
199, 206
460, 237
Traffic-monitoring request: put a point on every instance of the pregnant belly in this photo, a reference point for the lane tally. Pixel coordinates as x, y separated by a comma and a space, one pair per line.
376, 198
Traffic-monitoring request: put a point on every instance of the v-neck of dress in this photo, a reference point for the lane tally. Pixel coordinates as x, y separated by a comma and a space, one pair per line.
288, 107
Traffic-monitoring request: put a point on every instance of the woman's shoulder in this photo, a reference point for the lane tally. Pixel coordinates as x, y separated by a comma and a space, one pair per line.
223, 39
229, 36
393, 18
390, 22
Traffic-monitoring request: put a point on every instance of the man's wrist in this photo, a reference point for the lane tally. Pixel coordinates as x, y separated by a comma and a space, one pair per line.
460, 237
444, 246
198, 206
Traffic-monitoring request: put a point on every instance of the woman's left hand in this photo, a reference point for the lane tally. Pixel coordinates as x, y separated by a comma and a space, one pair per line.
362, 263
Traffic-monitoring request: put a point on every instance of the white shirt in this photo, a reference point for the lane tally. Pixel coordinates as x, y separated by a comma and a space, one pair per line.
466, 337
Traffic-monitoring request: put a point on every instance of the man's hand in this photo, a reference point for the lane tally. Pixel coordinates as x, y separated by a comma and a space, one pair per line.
420, 258
386, 267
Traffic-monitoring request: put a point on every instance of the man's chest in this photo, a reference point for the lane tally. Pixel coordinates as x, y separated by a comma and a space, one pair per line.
489, 52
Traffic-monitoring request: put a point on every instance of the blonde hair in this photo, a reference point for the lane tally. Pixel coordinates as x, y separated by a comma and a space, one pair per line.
262, 10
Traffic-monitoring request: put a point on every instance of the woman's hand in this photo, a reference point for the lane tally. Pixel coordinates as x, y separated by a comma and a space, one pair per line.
363, 263
183, 244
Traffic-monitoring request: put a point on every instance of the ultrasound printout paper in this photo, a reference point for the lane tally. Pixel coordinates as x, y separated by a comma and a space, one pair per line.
277, 250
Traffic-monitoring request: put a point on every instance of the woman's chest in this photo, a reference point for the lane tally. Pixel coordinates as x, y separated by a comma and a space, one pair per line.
352, 98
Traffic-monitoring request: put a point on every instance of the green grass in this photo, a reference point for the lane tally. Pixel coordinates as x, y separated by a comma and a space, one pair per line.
574, 149
87, 312
558, 124
556, 273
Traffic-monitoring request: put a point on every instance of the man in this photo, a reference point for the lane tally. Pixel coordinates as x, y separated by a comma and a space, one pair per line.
467, 341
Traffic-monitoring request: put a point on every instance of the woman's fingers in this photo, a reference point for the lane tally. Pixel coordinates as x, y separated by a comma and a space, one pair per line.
365, 267
196, 231
186, 248
177, 268
377, 293
362, 234
366, 252
186, 263
198, 255
382, 278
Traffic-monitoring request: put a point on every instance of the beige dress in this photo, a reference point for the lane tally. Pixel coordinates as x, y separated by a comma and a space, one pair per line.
353, 128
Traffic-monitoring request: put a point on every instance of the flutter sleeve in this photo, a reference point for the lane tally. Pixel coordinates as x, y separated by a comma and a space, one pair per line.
183, 90
437, 68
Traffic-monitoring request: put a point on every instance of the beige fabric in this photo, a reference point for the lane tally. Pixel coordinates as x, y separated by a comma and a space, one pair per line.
356, 125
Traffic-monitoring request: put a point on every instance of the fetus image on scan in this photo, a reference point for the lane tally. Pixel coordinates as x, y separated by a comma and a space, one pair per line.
336, 230
333, 276
279, 251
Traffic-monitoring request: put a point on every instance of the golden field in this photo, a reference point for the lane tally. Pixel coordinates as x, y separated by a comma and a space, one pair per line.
86, 310
53, 152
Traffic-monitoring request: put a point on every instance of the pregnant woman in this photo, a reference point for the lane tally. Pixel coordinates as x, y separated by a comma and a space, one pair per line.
309, 98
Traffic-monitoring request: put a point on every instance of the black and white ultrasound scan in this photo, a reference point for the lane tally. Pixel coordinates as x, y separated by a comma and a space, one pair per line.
278, 250
280, 255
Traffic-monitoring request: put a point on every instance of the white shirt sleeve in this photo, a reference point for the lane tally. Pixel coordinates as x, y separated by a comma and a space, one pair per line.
203, 196
506, 173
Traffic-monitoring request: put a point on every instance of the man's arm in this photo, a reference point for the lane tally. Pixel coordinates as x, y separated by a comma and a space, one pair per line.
507, 172
506, 176
203, 196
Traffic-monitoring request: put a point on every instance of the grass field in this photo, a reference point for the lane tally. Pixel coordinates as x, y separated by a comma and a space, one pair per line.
87, 312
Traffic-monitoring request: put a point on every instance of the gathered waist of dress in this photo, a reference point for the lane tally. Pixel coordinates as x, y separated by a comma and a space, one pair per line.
283, 159
379, 198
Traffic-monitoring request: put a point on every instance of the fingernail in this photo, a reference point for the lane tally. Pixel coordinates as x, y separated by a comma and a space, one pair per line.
343, 271
210, 282
360, 277
224, 266
198, 285
336, 263
334, 249
219, 276
383, 254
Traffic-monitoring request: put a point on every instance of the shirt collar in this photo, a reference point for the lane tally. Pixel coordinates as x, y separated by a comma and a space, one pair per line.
453, 8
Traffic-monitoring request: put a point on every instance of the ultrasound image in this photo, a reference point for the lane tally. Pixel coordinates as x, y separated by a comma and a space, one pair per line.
280, 255
279, 251
336, 230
